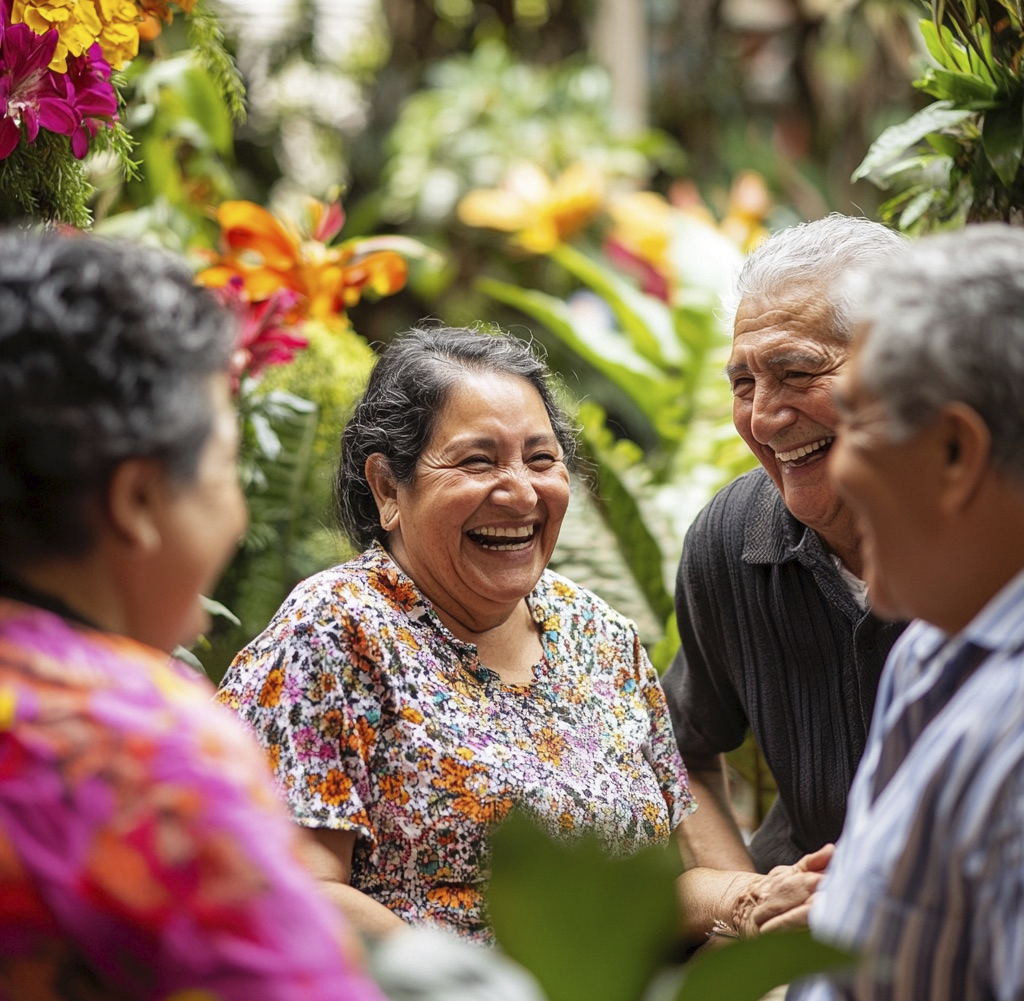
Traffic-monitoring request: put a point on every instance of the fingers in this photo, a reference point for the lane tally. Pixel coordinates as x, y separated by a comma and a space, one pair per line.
817, 861
796, 917
784, 889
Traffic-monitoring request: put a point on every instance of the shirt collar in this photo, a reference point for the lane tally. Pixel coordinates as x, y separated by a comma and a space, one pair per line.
772, 535
1000, 625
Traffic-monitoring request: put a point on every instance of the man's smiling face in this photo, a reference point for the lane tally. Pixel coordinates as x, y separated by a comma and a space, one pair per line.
783, 366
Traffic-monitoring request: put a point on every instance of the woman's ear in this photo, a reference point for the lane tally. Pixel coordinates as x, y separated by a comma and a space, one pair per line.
968, 448
136, 496
385, 489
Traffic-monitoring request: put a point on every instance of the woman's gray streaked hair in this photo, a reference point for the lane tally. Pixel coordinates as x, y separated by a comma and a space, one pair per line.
946, 323
406, 392
815, 258
106, 350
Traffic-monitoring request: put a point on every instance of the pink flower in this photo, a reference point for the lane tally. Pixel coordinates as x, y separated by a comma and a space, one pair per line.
29, 92
91, 94
264, 337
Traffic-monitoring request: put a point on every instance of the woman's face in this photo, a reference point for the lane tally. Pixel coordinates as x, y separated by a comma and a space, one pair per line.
200, 523
478, 523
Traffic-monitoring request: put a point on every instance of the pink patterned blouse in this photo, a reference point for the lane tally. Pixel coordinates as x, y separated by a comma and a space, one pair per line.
143, 851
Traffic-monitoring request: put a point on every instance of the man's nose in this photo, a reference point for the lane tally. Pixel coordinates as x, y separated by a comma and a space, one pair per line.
771, 412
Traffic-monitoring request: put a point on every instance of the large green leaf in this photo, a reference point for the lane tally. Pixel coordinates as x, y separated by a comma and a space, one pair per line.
897, 139
1002, 135
943, 47
621, 510
603, 347
747, 970
645, 320
965, 90
586, 926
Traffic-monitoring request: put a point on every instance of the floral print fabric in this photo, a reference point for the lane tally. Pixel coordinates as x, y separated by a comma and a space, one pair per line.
143, 851
378, 720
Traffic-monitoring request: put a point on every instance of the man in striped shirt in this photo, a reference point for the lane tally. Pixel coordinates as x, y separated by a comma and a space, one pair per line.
927, 881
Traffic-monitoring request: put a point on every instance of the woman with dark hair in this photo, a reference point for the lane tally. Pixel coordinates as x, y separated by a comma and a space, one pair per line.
410, 698
143, 853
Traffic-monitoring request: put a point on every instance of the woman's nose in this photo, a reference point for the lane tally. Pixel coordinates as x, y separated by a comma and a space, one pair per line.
515, 488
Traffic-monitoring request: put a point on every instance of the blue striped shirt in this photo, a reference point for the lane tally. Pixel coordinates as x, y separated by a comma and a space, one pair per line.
927, 882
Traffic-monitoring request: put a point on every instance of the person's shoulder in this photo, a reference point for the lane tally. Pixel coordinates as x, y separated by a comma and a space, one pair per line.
566, 597
718, 534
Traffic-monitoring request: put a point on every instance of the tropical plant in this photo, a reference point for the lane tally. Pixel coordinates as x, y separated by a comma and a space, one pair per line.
959, 159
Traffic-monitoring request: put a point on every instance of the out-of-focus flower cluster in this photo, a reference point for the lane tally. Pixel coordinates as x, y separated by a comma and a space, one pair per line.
277, 273
56, 58
638, 226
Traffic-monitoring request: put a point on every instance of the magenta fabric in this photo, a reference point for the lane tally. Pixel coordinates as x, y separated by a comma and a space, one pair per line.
143, 851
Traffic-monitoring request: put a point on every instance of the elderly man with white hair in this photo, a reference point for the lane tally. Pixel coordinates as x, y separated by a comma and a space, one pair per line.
777, 637
927, 881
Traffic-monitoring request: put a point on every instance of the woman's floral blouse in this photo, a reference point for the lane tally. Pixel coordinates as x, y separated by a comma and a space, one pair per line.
378, 720
144, 853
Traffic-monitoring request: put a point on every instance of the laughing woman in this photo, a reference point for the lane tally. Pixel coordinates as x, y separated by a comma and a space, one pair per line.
409, 699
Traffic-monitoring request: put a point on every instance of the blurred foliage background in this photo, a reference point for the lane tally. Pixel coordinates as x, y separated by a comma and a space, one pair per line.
587, 173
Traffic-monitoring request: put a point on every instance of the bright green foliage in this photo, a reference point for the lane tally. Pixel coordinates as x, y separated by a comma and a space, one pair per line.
584, 925
45, 183
747, 970
959, 159
589, 926
206, 37
486, 111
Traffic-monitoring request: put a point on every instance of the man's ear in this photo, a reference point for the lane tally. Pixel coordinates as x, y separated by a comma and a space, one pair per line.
136, 497
967, 442
385, 489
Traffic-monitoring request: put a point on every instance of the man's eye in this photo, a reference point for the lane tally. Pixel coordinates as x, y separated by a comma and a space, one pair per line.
796, 376
741, 385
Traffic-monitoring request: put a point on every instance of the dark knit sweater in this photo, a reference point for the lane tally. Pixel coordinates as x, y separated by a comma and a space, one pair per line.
773, 641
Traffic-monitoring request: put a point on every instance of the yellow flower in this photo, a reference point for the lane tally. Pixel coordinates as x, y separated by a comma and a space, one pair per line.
642, 224
79, 23
540, 213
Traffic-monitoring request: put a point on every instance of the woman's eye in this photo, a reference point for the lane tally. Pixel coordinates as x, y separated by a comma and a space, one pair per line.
475, 460
542, 460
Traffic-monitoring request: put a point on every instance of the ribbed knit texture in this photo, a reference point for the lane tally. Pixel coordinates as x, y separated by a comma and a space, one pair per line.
773, 641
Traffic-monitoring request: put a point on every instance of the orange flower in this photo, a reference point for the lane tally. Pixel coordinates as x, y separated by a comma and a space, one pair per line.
269, 253
393, 789
460, 898
270, 693
540, 213
335, 787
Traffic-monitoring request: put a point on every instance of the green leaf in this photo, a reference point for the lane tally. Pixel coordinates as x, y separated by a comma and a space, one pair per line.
916, 207
943, 48
607, 350
961, 88
1002, 136
637, 544
897, 139
645, 320
747, 970
584, 925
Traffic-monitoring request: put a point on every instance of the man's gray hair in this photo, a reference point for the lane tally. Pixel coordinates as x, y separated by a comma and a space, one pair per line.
947, 324
813, 259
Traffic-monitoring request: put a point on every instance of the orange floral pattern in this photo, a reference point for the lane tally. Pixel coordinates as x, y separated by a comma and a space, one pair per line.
435, 750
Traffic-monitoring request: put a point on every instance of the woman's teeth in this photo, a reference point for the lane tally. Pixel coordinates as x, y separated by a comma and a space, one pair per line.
503, 538
799, 453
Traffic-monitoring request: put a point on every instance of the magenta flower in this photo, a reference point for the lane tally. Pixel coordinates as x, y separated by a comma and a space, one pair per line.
29, 91
264, 337
90, 94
